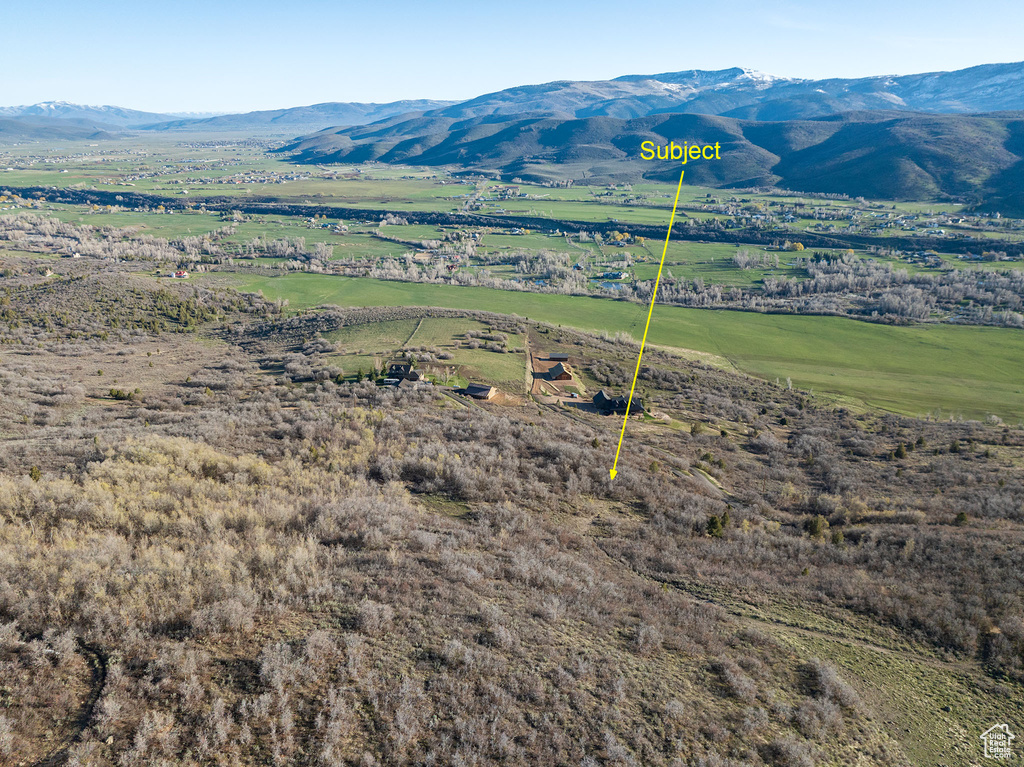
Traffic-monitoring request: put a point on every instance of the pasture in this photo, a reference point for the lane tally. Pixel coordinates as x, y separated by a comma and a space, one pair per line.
360, 347
941, 370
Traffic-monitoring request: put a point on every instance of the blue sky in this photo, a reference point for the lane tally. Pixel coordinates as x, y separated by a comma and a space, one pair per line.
231, 56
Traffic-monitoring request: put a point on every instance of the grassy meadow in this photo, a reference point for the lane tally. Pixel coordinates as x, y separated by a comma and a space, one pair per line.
360, 347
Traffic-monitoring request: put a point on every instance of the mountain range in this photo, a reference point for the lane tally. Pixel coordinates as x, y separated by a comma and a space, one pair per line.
103, 117
890, 155
741, 93
749, 94
951, 135
947, 135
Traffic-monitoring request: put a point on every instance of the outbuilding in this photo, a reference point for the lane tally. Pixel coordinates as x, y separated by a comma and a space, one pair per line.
481, 391
559, 372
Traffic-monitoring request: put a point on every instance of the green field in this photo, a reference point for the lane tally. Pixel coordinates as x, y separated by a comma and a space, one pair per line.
942, 369
358, 347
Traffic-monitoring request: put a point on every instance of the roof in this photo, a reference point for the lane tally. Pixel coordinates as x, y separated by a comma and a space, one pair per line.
604, 401
477, 390
559, 369
562, 356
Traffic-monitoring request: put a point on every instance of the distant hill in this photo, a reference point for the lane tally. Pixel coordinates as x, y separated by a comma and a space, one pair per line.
891, 155
287, 122
301, 119
106, 116
44, 128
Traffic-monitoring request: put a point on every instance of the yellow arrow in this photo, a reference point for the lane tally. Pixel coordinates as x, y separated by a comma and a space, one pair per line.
650, 311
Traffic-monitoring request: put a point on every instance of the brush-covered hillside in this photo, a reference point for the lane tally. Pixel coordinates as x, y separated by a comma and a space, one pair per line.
221, 545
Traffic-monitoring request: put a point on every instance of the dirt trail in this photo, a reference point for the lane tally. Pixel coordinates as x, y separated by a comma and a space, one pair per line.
98, 667
415, 330
529, 363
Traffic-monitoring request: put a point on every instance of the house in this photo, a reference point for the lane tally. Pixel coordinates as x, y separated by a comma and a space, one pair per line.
559, 357
559, 373
481, 391
403, 371
607, 404
181, 274
604, 402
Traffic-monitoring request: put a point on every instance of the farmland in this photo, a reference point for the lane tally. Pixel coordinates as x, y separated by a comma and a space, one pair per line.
362, 348
922, 354
942, 371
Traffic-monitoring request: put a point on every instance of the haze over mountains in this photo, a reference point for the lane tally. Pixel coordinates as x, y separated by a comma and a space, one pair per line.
299, 119
281, 122
52, 119
40, 129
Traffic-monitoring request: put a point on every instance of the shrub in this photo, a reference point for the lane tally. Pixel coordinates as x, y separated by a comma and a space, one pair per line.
816, 526
789, 752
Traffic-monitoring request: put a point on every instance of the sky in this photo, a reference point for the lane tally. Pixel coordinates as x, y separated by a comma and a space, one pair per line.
212, 56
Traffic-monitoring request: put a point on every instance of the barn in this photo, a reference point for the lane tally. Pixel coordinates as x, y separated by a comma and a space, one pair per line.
481, 391
560, 372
